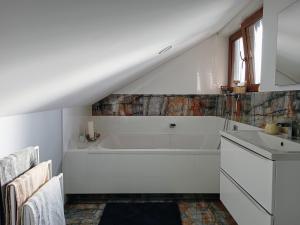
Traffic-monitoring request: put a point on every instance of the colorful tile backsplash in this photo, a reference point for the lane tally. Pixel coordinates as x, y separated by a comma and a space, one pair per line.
251, 108
158, 105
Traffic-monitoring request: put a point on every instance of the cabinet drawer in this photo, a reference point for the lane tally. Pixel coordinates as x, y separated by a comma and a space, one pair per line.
242, 207
251, 171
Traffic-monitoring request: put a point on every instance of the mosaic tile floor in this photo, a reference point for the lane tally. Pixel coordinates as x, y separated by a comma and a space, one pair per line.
203, 212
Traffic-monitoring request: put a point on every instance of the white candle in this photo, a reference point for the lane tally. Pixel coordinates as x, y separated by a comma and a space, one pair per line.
91, 131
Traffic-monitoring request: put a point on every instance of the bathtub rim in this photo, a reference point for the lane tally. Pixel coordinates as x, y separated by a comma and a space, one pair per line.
160, 151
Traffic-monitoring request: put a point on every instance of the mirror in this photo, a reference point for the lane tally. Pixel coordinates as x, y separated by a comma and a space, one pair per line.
288, 46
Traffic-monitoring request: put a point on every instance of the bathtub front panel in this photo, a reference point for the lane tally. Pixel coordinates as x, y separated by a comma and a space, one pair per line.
130, 172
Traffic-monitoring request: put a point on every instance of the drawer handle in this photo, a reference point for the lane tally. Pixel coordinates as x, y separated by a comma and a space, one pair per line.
248, 196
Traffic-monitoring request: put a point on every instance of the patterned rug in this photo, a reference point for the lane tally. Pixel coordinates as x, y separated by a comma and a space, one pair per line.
204, 212
83, 214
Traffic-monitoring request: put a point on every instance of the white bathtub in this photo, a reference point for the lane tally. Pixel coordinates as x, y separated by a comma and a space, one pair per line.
141, 154
145, 163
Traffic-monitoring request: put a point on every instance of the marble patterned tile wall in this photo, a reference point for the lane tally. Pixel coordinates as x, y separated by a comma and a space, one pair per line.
158, 105
274, 106
251, 108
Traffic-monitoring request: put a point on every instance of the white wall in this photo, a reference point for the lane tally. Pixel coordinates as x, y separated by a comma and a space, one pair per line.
271, 10
43, 129
200, 70
74, 124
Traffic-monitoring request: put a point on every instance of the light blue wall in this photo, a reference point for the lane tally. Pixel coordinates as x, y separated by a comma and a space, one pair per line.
42, 128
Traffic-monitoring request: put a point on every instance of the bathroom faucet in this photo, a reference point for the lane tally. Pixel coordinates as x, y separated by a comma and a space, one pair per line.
172, 125
235, 127
293, 129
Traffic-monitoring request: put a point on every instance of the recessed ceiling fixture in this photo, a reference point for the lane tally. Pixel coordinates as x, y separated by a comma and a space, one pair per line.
165, 49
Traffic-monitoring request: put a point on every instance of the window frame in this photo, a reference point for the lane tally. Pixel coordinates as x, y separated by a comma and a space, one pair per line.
243, 33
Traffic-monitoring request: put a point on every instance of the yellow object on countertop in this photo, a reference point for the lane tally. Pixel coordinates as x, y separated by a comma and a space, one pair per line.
239, 89
272, 128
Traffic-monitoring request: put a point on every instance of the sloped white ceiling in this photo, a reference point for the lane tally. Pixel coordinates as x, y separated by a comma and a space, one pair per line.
62, 53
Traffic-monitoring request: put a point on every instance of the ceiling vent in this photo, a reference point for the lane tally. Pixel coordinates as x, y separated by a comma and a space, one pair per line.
165, 50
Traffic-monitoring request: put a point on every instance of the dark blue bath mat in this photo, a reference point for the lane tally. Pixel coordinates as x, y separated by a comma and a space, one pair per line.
141, 214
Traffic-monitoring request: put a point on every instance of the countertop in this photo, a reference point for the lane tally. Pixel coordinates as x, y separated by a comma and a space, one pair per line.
252, 141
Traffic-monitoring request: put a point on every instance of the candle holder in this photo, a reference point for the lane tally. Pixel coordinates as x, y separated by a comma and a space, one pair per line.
96, 136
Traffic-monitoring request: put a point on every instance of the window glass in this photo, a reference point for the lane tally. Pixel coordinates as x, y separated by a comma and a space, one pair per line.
255, 51
238, 61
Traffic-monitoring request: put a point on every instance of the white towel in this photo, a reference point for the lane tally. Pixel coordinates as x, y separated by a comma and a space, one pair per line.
22, 188
17, 163
13, 166
46, 206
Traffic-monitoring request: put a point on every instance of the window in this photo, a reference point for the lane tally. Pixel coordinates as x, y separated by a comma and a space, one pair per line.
245, 50
237, 68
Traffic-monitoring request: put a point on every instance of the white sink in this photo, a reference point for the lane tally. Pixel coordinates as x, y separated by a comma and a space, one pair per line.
279, 143
270, 146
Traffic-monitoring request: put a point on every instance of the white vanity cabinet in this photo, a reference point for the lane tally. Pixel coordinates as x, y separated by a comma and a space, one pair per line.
258, 190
